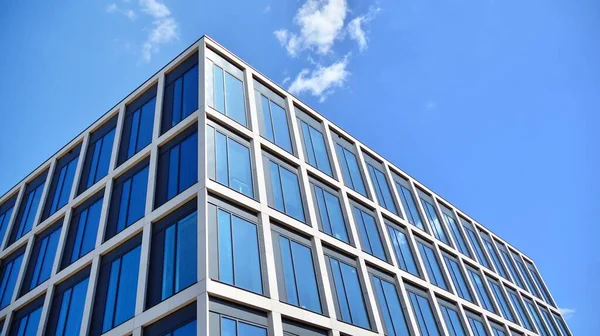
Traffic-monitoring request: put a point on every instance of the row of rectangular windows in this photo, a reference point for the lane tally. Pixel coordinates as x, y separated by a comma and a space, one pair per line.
238, 260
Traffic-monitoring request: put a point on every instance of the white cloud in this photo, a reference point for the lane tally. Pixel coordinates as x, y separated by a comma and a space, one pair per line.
356, 27
321, 24
567, 312
267, 9
164, 31
321, 81
285, 80
113, 8
155, 8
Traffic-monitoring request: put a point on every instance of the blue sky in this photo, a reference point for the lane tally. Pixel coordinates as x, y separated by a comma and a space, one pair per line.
493, 104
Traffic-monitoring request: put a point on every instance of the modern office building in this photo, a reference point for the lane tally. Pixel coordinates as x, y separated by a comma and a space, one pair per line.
210, 201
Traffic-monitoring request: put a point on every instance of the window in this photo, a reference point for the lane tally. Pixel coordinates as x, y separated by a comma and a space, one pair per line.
297, 281
390, 308
408, 202
117, 287
475, 243
181, 93
292, 328
521, 266
432, 266
501, 300
42, 258
225, 91
9, 273
138, 125
536, 318
349, 165
480, 290
97, 157
274, 124
313, 141
236, 260
540, 284
173, 254
487, 242
283, 188
380, 184
27, 320
476, 325
226, 319
550, 322
497, 330
180, 323
66, 311
128, 202
509, 264
434, 221
562, 325
370, 239
62, 182
81, 238
451, 319
329, 212
525, 321
229, 161
347, 290
6, 211
177, 166
423, 312
458, 279
404, 254
457, 234
28, 208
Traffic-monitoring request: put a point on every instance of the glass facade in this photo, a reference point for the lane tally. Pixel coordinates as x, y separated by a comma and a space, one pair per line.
221, 203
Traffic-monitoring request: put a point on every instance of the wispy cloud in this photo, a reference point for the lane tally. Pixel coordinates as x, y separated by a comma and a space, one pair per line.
321, 22
164, 31
113, 8
567, 312
356, 27
267, 9
155, 8
321, 81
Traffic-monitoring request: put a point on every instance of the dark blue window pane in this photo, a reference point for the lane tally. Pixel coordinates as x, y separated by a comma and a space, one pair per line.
45, 259
525, 274
230, 327
476, 246
188, 164
133, 199
140, 127
497, 331
218, 87
222, 169
458, 279
190, 92
457, 235
239, 261
268, 125
434, 221
330, 214
314, 144
481, 291
100, 153
63, 187
71, 310
403, 252
29, 323
122, 290
180, 255
390, 309
340, 291
431, 265
286, 191
350, 170
382, 189
299, 275
550, 323
234, 93
369, 234
87, 229
511, 268
501, 300
177, 92
31, 202
10, 273
536, 318
233, 167
280, 127
4, 219
476, 327
310, 151
173, 177
562, 325
538, 281
349, 291
452, 321
424, 314
495, 259
525, 321
186, 329
408, 201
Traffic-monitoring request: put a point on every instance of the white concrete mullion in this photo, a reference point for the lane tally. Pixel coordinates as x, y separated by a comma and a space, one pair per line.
45, 311
24, 263
140, 301
90, 297
46, 191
